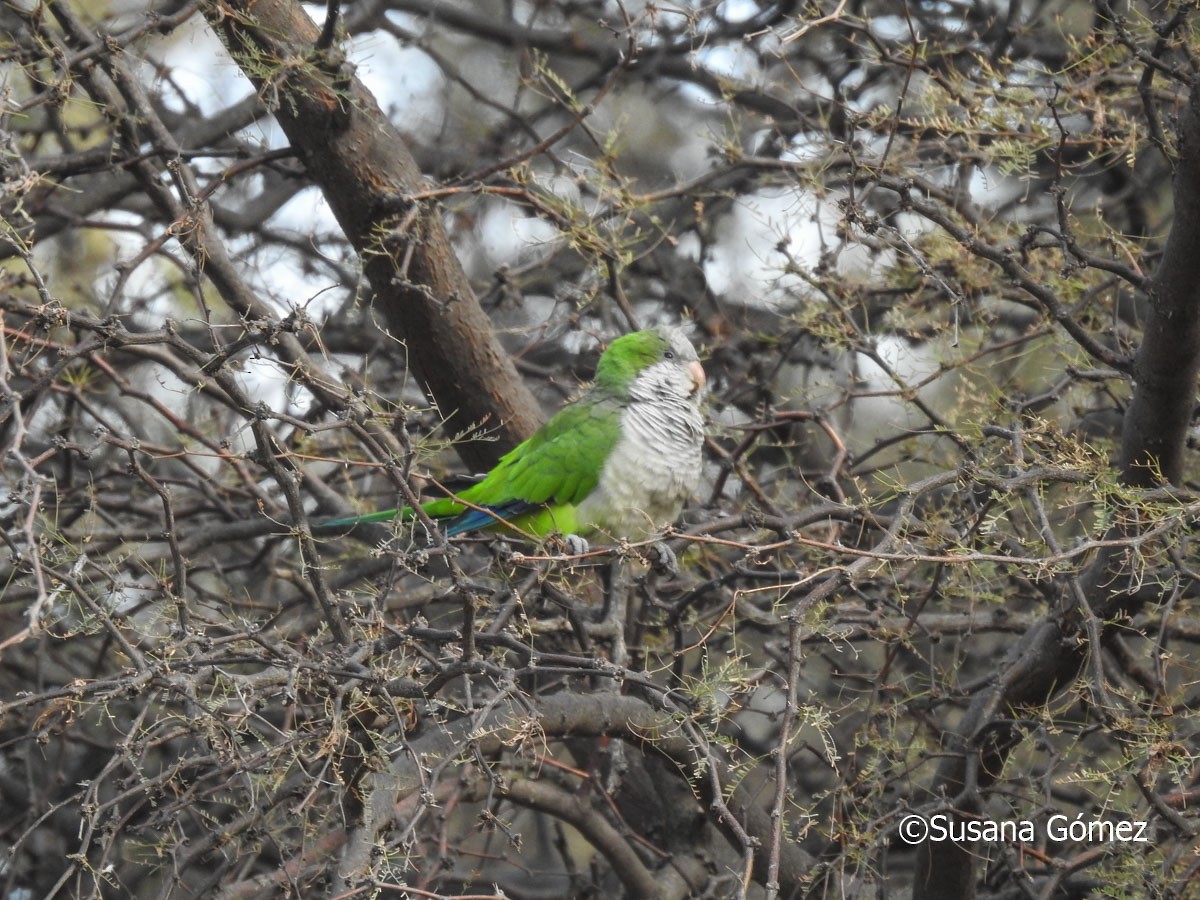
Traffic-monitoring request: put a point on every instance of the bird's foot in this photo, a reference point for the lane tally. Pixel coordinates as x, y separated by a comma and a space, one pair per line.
663, 560
567, 545
575, 545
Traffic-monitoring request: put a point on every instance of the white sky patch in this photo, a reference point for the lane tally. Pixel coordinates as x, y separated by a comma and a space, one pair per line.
306, 213
200, 69
738, 62
404, 80
912, 363
888, 28
766, 233
508, 235
737, 10
875, 417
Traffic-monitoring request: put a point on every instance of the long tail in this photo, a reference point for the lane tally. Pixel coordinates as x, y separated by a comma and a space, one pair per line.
460, 518
442, 508
384, 515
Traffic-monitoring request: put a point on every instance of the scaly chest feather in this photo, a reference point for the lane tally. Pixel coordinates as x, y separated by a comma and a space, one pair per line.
650, 473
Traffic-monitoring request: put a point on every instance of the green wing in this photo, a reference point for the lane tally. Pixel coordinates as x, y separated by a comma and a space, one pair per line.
556, 468
537, 484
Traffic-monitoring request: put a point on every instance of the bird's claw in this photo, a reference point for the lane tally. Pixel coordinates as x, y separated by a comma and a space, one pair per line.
663, 559
575, 545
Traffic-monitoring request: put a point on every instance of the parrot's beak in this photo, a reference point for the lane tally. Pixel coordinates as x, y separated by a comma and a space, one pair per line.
698, 377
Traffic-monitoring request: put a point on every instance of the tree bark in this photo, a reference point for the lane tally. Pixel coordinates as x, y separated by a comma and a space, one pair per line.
368, 176
1051, 655
1154, 439
563, 716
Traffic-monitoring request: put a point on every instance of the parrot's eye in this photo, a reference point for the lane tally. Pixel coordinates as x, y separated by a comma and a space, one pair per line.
670, 354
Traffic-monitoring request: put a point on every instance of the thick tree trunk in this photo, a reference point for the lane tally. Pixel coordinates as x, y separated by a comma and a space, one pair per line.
1051, 655
367, 174
1156, 424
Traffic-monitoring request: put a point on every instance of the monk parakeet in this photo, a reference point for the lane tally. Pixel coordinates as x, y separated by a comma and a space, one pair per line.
619, 461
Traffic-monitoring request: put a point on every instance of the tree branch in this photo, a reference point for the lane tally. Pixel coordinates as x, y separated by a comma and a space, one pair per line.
360, 162
1051, 654
558, 716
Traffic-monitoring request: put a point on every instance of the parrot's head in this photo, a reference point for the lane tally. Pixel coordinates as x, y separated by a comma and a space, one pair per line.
652, 364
